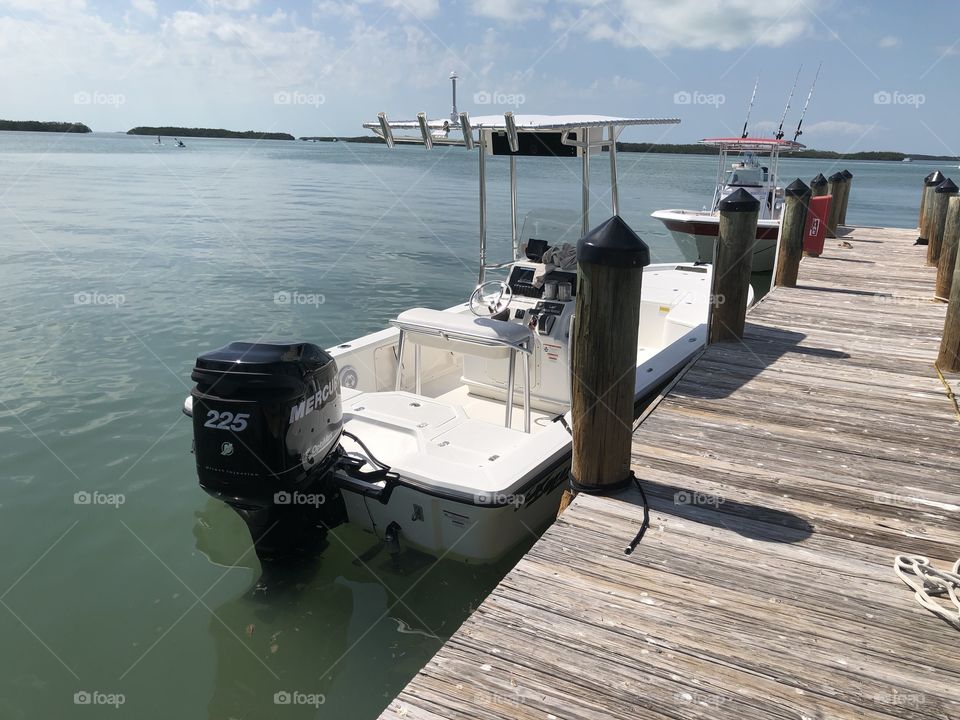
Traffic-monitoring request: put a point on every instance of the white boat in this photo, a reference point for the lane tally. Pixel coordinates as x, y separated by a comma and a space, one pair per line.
427, 433
755, 171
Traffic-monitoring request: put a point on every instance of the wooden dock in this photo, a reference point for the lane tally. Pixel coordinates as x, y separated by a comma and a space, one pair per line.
783, 475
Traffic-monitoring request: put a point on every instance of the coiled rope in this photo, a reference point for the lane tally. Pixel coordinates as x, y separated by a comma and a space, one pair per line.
928, 583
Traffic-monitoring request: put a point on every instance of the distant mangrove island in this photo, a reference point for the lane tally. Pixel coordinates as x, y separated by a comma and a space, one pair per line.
356, 139
38, 126
672, 149
208, 133
698, 149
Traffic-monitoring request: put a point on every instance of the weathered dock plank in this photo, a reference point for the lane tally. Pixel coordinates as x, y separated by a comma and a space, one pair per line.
783, 475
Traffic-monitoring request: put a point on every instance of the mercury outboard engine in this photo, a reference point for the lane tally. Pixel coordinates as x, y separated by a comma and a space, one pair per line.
267, 420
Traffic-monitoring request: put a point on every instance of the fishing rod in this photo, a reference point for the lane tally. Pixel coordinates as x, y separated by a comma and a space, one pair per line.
799, 132
789, 98
749, 108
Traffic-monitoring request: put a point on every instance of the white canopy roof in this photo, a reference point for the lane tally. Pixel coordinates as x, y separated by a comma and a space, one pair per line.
530, 122
564, 122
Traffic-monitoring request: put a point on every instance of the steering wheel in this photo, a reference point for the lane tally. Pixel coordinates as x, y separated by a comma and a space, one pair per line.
493, 303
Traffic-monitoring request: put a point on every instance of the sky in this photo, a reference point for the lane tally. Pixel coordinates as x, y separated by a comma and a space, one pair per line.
888, 82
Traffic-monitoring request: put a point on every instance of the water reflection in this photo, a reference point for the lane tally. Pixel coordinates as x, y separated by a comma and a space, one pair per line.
336, 635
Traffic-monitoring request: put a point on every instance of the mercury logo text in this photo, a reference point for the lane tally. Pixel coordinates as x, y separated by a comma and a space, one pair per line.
314, 402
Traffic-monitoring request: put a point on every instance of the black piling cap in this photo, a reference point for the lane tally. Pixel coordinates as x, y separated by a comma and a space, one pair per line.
947, 186
837, 177
819, 180
613, 243
797, 188
929, 177
935, 178
739, 201
846, 173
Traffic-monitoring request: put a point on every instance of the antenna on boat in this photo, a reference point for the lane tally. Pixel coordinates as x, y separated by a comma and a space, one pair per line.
783, 117
454, 115
799, 132
749, 108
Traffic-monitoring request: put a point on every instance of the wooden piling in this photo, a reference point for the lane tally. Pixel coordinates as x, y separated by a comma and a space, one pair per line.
948, 359
948, 248
818, 186
848, 181
923, 198
835, 190
731, 270
930, 184
611, 259
792, 221
937, 218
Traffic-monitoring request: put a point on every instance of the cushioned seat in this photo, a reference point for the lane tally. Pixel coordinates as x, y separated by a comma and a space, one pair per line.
489, 337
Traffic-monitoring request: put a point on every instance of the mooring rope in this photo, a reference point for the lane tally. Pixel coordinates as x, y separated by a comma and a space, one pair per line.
928, 583
950, 394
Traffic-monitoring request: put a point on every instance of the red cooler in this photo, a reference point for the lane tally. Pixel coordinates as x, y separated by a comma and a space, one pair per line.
815, 229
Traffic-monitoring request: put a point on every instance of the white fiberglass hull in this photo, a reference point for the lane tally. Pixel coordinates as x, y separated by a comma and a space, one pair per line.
703, 227
471, 489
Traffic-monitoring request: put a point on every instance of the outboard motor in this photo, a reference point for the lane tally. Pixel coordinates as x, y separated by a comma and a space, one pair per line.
267, 420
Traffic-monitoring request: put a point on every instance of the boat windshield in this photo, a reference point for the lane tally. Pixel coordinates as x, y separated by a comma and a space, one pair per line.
746, 176
563, 226
550, 224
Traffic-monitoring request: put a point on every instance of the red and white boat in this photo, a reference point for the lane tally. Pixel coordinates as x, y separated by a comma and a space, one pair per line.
755, 171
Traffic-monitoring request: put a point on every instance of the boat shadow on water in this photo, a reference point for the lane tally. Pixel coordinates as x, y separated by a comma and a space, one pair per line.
337, 632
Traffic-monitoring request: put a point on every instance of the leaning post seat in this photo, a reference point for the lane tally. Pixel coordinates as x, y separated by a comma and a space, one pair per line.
470, 335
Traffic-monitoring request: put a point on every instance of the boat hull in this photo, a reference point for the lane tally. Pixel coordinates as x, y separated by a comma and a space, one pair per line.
462, 529
704, 227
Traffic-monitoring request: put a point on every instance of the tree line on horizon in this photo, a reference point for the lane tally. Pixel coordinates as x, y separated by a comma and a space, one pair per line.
40, 126
696, 149
170, 131
663, 148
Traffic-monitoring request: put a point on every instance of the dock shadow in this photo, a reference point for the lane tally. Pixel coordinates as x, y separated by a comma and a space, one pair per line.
756, 522
731, 365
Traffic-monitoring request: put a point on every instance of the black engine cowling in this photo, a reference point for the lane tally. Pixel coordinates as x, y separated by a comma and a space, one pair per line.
267, 420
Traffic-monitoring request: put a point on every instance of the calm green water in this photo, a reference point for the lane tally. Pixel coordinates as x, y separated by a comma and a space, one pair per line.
121, 261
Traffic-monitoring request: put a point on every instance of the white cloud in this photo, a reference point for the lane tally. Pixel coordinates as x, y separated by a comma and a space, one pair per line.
233, 5
216, 67
422, 9
146, 7
509, 10
890, 41
353, 9
691, 24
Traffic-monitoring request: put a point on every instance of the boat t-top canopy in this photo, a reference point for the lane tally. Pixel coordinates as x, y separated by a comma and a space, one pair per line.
516, 135
749, 144
520, 122
564, 122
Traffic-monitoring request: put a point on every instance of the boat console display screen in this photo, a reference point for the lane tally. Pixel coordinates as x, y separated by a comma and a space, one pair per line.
521, 281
